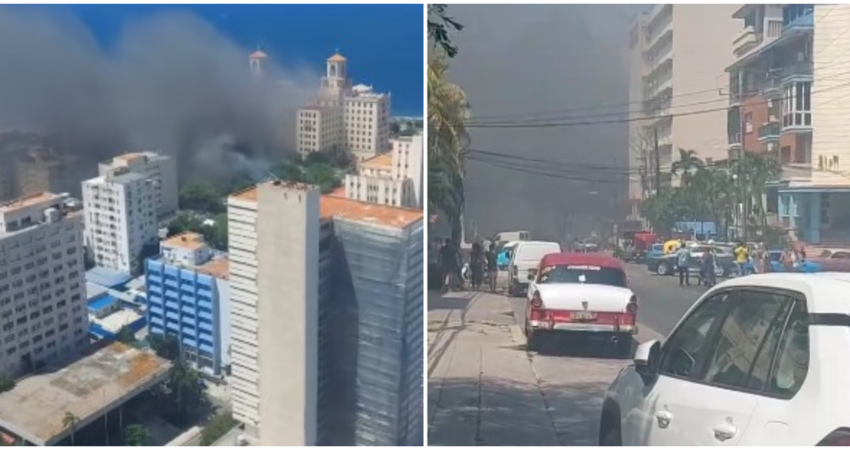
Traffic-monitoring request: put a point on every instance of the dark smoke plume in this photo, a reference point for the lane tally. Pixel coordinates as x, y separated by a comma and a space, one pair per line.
171, 83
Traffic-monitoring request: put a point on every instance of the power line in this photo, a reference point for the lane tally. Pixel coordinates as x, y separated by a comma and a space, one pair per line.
473, 123
630, 119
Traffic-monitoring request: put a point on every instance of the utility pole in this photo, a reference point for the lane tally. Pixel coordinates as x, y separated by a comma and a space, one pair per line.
741, 173
657, 164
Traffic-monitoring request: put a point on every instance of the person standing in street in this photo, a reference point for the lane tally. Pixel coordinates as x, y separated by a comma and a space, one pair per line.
448, 264
492, 266
683, 263
476, 265
742, 256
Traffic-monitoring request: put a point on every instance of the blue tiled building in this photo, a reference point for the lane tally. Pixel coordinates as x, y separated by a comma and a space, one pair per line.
188, 298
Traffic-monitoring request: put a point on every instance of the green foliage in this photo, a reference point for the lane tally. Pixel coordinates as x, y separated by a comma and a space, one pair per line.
710, 193
165, 346
202, 197
136, 436
217, 427
7, 383
317, 168
127, 336
215, 235
439, 27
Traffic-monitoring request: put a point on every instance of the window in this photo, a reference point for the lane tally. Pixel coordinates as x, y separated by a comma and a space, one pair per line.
748, 340
689, 342
583, 274
792, 359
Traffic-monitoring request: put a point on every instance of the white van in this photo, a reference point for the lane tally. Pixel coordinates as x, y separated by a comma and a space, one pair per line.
526, 257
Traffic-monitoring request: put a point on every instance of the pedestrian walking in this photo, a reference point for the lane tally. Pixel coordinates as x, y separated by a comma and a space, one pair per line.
448, 264
742, 256
492, 266
476, 265
683, 262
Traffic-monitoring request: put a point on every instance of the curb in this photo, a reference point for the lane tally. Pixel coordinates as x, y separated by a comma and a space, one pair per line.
517, 335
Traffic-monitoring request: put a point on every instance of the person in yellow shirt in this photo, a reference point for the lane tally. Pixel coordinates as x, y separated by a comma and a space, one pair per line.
742, 256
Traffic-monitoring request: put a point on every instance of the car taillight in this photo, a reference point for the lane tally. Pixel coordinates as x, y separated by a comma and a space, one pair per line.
536, 301
838, 438
632, 307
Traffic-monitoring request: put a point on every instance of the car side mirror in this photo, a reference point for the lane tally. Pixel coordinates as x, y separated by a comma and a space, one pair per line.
647, 358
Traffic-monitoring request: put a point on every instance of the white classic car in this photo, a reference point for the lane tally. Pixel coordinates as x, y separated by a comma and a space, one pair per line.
580, 293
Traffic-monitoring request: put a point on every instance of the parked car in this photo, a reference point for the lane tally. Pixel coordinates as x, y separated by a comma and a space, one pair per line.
833, 260
524, 261
581, 293
757, 360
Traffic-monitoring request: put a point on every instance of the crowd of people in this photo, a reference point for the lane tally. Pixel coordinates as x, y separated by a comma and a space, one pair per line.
478, 267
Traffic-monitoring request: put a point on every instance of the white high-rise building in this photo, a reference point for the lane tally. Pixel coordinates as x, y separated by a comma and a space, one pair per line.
352, 119
120, 218
274, 289
160, 168
43, 313
393, 178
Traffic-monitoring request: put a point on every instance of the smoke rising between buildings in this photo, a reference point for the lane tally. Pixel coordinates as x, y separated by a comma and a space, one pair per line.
170, 83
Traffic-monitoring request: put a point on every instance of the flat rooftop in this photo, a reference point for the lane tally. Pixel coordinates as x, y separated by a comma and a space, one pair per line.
217, 267
250, 194
87, 388
391, 216
382, 161
186, 241
27, 201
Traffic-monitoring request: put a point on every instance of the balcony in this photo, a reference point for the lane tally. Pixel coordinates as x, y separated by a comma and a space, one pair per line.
769, 132
800, 71
734, 141
771, 88
797, 18
745, 41
797, 122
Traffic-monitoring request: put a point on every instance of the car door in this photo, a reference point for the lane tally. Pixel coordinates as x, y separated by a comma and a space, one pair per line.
647, 423
715, 407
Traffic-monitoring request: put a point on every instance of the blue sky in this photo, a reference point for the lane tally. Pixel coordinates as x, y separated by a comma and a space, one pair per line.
383, 43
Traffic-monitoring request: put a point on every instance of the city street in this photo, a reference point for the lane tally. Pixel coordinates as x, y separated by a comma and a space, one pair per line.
484, 388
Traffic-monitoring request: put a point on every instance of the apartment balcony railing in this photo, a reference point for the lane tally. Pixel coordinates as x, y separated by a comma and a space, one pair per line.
800, 71
769, 132
772, 86
734, 140
798, 17
745, 41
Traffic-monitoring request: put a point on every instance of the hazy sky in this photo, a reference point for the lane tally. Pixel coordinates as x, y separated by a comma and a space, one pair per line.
519, 60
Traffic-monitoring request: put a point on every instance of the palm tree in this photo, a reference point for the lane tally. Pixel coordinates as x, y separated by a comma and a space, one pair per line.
69, 422
687, 165
757, 171
448, 140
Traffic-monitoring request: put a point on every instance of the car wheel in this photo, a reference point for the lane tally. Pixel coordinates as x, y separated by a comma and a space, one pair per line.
664, 269
611, 438
624, 345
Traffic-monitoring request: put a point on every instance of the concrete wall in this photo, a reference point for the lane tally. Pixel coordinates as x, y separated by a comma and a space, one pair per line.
830, 114
702, 49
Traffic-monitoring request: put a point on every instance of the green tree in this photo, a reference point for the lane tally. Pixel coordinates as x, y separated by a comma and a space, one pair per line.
136, 436
7, 383
202, 197
69, 423
217, 427
448, 141
288, 170
165, 346
439, 27
687, 165
127, 336
322, 175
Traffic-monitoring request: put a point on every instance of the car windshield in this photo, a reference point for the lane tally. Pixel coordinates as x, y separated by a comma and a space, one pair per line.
582, 274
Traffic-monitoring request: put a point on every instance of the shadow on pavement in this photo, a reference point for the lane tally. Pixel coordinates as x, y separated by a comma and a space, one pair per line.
446, 334
501, 412
582, 347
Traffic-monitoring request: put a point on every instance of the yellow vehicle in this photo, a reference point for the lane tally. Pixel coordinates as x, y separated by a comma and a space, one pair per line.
671, 246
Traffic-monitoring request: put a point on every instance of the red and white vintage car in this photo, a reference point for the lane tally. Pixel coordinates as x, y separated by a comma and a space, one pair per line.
581, 293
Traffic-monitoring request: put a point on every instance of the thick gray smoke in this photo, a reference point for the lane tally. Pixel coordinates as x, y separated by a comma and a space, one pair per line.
171, 83
521, 62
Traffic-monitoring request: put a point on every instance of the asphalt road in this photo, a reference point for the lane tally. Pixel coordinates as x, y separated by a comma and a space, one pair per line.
661, 300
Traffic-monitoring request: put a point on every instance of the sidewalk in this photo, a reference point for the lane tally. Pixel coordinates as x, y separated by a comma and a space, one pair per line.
482, 389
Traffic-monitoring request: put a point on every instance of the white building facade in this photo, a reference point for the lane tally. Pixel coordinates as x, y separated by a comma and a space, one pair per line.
160, 168
345, 118
43, 314
120, 218
393, 178
274, 289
